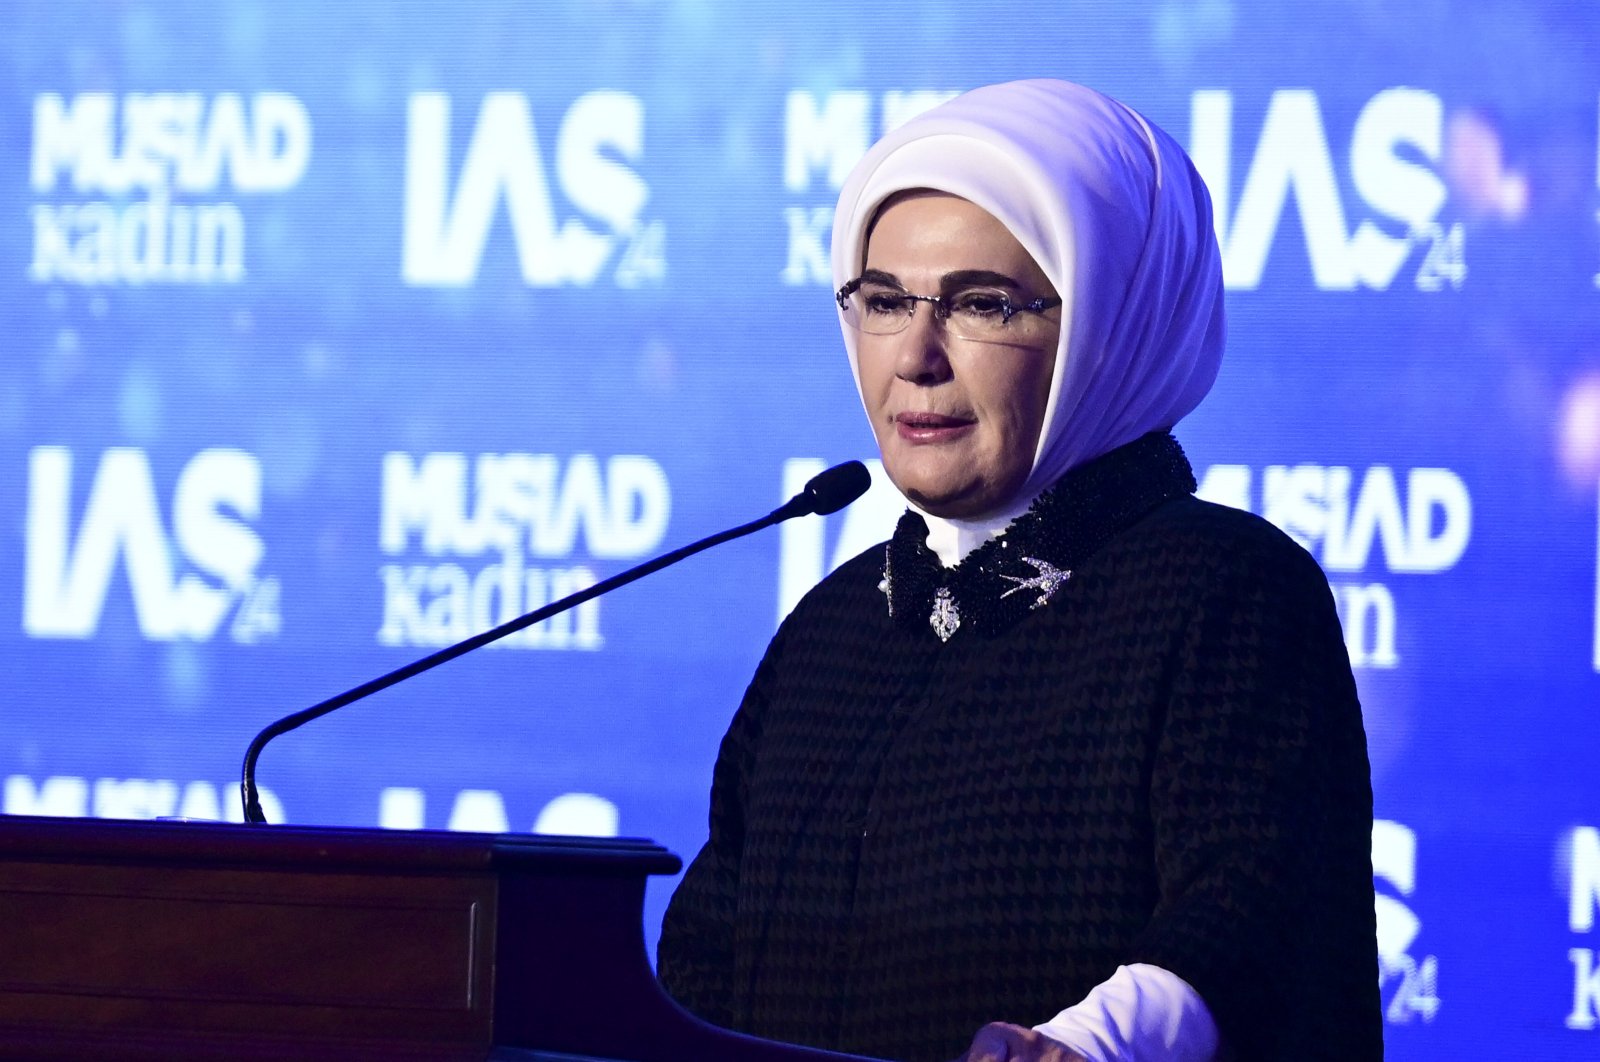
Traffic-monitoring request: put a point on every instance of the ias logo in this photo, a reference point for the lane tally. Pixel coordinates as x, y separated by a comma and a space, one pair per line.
445, 232
1411, 987
185, 577
1395, 147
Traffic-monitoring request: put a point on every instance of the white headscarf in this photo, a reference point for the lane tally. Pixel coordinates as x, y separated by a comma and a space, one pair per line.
1114, 213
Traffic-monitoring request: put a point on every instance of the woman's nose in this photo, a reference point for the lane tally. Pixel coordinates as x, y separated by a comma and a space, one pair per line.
921, 356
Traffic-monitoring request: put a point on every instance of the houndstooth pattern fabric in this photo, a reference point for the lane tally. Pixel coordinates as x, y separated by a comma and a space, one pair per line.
1164, 765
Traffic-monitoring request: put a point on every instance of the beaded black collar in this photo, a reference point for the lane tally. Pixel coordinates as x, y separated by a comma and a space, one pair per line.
1004, 579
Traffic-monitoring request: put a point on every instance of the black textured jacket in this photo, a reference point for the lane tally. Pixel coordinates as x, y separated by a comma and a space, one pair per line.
1161, 763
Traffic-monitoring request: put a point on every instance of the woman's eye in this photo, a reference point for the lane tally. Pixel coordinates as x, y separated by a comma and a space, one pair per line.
883, 302
979, 304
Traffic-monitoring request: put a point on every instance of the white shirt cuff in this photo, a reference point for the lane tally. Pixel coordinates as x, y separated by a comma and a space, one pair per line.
1141, 1014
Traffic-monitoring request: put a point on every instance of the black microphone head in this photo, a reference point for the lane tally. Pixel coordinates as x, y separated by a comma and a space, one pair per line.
830, 491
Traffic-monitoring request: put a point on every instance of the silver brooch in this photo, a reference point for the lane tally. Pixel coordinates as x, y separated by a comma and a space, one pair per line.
946, 618
1047, 582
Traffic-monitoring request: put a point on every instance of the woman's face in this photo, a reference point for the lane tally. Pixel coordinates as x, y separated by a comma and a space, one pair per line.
957, 420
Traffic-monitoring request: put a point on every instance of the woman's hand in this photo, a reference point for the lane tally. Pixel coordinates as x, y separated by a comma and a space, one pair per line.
1000, 1042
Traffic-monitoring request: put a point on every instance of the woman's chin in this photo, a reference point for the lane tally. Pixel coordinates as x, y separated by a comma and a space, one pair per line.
949, 502
966, 498
955, 484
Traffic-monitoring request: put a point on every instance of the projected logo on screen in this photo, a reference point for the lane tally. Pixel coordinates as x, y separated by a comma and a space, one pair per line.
1411, 986
1395, 129
513, 510
1581, 853
70, 571
129, 798
446, 229
1342, 518
133, 174
823, 138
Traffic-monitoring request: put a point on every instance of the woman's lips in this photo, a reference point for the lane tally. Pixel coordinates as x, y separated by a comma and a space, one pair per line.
931, 427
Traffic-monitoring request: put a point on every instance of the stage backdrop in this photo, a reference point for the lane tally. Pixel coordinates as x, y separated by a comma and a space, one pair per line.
333, 333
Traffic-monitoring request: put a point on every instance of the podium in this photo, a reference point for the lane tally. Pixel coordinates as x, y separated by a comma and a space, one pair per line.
174, 941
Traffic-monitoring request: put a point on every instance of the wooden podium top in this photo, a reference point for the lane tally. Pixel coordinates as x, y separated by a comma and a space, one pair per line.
165, 940
219, 844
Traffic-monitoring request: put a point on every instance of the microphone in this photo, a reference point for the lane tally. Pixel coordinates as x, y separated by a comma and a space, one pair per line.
827, 492
824, 494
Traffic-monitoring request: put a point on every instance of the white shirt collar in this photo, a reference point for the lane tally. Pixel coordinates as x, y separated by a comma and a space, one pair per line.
951, 540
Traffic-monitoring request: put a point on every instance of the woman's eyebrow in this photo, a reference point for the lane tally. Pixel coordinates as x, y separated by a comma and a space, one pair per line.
961, 278
967, 277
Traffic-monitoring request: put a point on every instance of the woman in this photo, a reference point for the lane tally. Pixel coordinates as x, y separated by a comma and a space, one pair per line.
1072, 738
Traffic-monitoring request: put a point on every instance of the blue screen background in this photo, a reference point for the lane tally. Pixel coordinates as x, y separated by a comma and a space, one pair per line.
328, 332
